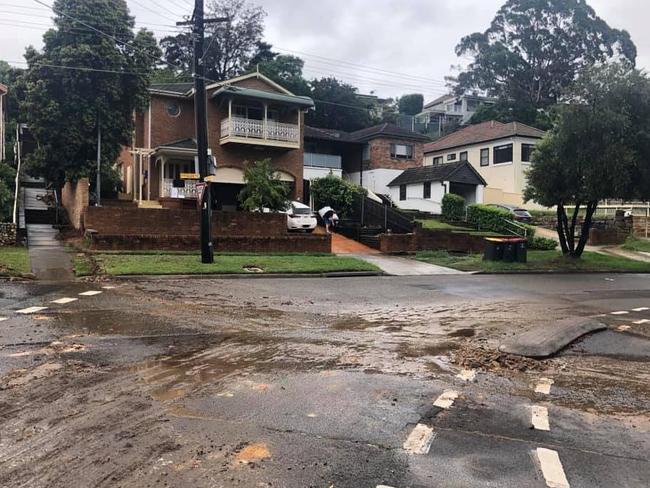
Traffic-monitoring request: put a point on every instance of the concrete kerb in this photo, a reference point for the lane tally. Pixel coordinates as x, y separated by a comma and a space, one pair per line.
233, 276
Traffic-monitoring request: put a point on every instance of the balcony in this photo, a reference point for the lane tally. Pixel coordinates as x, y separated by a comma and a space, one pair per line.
317, 160
260, 132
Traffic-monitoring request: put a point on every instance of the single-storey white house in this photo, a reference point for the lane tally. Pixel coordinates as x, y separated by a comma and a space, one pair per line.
423, 188
500, 153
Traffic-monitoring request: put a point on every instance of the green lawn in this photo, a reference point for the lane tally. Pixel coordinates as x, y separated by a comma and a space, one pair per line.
537, 261
434, 224
164, 263
14, 261
635, 244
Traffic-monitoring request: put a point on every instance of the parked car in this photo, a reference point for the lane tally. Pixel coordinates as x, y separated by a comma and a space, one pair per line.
518, 214
300, 217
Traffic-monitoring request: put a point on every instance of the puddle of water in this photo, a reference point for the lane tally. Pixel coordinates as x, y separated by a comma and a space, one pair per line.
111, 322
462, 333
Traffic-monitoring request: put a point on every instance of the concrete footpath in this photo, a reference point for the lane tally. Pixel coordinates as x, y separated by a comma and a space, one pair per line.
47, 255
398, 266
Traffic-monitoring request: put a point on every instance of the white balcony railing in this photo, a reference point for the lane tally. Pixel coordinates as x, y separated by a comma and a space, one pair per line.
259, 129
170, 192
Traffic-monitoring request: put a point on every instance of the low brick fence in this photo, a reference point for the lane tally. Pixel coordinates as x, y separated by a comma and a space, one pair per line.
8, 235
116, 228
430, 240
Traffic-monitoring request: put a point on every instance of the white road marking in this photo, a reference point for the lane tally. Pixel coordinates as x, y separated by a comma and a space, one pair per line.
467, 374
642, 321
2, 319
108, 287
549, 462
544, 386
91, 293
63, 301
384, 486
623, 328
446, 400
419, 440
540, 418
620, 312
640, 309
27, 311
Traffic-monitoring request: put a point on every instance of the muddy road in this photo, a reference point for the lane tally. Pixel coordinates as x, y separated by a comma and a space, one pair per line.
329, 383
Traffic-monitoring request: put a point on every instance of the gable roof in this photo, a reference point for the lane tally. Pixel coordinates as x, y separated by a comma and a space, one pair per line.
386, 130
439, 100
459, 172
483, 132
254, 74
302, 102
326, 134
178, 89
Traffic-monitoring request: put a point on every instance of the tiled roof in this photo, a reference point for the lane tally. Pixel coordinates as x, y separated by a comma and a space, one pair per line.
176, 88
483, 132
387, 130
459, 172
326, 134
439, 100
302, 102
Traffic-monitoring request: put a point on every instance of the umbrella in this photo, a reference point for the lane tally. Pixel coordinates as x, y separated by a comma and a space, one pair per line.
325, 212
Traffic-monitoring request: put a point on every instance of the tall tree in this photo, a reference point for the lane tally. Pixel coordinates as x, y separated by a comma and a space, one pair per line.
337, 106
287, 71
106, 81
533, 49
599, 148
230, 46
411, 104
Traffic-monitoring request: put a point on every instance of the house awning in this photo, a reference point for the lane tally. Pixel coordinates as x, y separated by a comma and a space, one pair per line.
302, 102
460, 172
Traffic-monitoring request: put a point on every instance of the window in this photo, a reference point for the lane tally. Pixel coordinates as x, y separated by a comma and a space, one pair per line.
401, 151
173, 109
437, 160
526, 152
366, 152
503, 154
402, 192
463, 156
426, 194
485, 157
247, 112
451, 157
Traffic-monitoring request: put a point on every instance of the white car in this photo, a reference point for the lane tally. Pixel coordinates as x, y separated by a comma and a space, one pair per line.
300, 217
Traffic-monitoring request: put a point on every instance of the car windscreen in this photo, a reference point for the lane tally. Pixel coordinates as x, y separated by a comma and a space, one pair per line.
301, 211
521, 212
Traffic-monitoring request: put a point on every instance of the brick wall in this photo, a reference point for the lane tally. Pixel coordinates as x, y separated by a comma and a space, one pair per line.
380, 155
7, 234
430, 240
182, 222
74, 198
641, 226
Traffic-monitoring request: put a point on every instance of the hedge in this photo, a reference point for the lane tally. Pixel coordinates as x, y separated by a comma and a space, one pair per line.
485, 217
453, 207
541, 244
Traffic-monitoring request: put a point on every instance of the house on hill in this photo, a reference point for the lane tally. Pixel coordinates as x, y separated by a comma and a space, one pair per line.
249, 118
500, 153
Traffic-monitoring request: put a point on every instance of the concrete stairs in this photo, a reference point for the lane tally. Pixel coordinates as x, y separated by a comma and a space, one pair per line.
149, 204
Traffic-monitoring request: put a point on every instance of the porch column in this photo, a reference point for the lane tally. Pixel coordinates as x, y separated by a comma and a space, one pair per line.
148, 176
161, 192
266, 118
140, 179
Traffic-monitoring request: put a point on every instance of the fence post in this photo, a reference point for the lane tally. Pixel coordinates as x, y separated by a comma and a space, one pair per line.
363, 210
647, 217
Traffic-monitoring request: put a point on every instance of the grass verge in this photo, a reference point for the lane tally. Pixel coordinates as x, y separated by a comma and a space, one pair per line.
537, 261
14, 261
636, 244
162, 264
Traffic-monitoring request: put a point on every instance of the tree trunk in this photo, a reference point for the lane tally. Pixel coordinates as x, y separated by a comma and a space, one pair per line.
586, 226
561, 216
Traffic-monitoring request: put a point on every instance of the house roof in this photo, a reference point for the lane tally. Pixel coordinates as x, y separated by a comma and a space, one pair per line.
172, 88
440, 100
483, 132
304, 102
386, 130
188, 144
326, 134
459, 172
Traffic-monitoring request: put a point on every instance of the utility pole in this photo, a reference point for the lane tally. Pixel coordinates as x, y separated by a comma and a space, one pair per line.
200, 111
98, 203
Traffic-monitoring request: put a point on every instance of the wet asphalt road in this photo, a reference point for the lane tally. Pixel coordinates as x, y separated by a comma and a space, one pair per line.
319, 383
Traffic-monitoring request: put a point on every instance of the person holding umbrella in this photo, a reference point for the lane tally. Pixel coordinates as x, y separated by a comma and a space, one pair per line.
329, 218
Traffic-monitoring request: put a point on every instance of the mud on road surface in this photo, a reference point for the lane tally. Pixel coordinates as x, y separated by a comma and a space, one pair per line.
301, 383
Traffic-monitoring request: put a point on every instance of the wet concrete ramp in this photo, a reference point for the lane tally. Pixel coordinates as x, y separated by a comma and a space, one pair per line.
545, 340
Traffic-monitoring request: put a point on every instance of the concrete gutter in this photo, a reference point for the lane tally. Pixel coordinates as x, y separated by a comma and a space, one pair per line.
548, 339
241, 276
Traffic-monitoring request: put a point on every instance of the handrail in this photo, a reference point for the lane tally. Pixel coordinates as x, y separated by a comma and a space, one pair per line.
518, 226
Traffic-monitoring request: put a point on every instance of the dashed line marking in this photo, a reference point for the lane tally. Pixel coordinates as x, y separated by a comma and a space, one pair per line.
549, 462
540, 418
467, 374
384, 486
419, 440
63, 301
2, 319
640, 309
620, 312
91, 293
642, 321
544, 386
29, 310
108, 287
623, 328
446, 399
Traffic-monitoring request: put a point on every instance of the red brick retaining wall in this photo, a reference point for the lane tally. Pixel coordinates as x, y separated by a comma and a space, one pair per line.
430, 240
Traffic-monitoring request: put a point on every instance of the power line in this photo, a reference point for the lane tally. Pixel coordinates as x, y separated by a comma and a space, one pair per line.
80, 68
162, 6
153, 11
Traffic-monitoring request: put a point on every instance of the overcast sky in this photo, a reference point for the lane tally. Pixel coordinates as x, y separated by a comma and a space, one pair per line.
390, 47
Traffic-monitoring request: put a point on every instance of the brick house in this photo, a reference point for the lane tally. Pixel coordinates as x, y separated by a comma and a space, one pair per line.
249, 118
370, 157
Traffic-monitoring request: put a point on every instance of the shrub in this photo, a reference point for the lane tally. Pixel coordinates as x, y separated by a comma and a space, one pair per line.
484, 217
263, 189
541, 244
335, 192
453, 207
